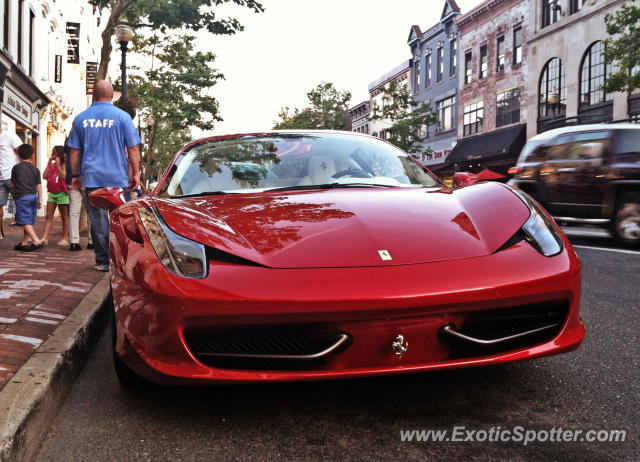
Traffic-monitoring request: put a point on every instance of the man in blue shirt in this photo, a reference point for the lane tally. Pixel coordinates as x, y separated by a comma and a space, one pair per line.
109, 143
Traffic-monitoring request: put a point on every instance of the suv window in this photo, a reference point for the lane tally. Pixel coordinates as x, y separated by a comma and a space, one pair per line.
533, 151
591, 145
557, 149
628, 144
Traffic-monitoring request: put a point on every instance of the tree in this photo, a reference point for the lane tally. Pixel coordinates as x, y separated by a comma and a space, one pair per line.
623, 48
407, 118
327, 108
175, 92
164, 16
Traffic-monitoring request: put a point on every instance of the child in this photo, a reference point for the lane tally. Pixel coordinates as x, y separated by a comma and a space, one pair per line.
27, 193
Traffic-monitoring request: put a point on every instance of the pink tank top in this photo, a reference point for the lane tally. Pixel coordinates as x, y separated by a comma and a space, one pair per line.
55, 184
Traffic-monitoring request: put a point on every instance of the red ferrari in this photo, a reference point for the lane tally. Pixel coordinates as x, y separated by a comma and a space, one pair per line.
313, 255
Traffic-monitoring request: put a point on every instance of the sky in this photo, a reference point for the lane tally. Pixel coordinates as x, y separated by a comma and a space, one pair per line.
295, 44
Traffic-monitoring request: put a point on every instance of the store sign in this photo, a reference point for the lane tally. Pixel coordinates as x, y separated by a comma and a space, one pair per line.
92, 70
16, 106
58, 76
73, 42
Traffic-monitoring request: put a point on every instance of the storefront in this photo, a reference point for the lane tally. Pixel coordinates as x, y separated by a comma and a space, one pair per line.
21, 112
497, 150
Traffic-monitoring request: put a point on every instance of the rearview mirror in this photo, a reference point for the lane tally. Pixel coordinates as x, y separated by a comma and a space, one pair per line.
462, 179
107, 198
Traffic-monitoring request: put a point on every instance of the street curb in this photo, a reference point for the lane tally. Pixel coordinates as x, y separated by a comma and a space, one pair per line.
30, 400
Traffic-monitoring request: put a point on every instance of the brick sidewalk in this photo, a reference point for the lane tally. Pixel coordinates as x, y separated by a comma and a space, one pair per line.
38, 290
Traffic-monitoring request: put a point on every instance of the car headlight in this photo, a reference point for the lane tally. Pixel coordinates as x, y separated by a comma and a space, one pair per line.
538, 229
181, 256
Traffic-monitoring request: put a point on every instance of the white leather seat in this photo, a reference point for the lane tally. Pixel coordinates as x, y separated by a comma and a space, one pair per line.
319, 171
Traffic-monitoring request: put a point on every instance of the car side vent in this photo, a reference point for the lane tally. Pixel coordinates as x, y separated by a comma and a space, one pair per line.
225, 257
517, 237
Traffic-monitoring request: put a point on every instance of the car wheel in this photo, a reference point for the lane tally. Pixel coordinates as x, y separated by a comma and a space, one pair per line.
626, 221
126, 376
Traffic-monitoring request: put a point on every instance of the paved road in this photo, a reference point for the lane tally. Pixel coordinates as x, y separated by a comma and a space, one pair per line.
596, 387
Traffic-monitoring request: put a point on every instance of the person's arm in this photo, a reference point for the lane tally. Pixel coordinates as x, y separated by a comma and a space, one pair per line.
40, 202
133, 153
46, 170
74, 155
62, 168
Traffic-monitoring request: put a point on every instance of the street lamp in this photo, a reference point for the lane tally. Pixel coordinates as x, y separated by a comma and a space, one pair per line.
124, 34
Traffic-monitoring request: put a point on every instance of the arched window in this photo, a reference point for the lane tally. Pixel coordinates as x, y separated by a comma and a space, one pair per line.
552, 91
593, 73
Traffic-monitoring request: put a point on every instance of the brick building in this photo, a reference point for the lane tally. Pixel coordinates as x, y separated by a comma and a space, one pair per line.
435, 80
492, 86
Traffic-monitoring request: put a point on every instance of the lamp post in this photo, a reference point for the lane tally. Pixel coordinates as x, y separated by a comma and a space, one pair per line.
124, 34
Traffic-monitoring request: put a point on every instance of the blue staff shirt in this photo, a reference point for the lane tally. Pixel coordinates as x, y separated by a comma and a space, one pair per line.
103, 133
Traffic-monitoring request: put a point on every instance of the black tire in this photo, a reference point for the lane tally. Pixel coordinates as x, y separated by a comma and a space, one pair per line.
126, 376
626, 220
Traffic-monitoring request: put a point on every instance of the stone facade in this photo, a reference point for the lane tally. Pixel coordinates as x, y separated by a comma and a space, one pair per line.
403, 74
491, 26
563, 40
436, 66
360, 117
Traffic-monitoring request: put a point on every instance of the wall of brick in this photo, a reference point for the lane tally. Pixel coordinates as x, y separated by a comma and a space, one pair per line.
483, 25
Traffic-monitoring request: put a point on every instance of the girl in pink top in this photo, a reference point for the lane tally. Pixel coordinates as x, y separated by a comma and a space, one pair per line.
55, 173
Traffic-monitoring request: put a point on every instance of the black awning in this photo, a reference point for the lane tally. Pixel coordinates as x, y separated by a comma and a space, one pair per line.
499, 143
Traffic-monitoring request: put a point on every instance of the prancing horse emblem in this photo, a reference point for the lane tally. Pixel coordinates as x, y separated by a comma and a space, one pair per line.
384, 254
400, 346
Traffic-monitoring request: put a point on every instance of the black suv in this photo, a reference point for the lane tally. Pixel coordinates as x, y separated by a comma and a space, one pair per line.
586, 174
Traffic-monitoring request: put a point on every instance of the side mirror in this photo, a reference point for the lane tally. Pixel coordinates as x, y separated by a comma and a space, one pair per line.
462, 179
107, 198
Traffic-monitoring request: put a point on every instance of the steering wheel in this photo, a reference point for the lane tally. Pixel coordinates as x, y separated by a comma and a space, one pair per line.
353, 173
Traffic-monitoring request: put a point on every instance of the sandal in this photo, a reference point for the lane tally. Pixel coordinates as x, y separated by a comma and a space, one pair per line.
63, 243
20, 247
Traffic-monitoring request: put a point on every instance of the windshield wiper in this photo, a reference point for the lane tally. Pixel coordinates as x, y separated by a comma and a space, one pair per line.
331, 186
203, 193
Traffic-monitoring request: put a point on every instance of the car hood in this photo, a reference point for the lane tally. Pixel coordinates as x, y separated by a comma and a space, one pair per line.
351, 227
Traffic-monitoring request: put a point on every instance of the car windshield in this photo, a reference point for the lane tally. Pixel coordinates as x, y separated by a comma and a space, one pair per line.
292, 161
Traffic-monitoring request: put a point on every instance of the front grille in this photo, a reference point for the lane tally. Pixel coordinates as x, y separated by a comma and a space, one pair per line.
217, 347
503, 322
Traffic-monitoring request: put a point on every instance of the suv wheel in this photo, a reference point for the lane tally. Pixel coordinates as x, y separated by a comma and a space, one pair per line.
626, 221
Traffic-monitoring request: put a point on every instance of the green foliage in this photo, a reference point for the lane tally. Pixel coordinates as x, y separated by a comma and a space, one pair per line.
326, 111
165, 16
175, 92
406, 116
623, 48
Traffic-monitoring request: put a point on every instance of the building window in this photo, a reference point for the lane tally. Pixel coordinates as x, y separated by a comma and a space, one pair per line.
552, 94
500, 54
20, 41
549, 12
483, 62
593, 73
427, 71
575, 6
417, 74
453, 58
468, 72
5, 42
508, 107
440, 63
517, 45
32, 25
472, 118
445, 110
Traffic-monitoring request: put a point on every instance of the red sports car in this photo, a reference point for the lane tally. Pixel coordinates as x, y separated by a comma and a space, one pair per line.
313, 255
